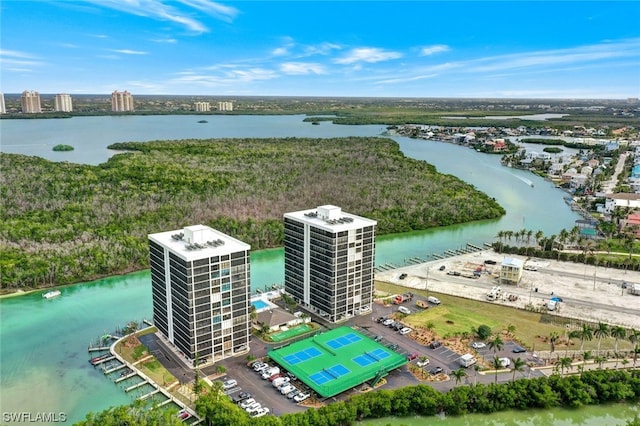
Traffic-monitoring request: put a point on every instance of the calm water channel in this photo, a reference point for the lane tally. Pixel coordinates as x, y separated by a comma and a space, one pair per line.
43, 343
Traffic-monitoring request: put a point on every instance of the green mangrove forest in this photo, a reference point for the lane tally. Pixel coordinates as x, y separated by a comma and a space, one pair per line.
64, 223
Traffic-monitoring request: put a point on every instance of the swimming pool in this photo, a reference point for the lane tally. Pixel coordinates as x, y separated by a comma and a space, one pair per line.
260, 304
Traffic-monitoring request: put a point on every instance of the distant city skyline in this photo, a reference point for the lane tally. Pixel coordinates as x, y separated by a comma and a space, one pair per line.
455, 49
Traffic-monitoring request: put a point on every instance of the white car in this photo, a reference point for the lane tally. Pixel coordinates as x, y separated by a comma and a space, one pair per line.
301, 397
405, 330
423, 363
229, 384
505, 362
253, 407
478, 345
387, 321
247, 402
263, 411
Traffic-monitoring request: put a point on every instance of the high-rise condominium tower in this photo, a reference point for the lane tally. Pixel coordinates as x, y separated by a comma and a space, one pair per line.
200, 285
121, 101
329, 260
62, 102
30, 101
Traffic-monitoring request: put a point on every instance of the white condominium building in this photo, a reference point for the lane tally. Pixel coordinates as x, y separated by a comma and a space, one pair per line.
121, 101
328, 261
3, 107
225, 106
200, 284
202, 106
62, 102
30, 101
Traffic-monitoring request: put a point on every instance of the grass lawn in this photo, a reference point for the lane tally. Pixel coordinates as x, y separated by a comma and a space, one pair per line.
457, 315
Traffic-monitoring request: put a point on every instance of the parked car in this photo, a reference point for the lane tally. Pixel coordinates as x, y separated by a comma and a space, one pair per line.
241, 397
378, 338
442, 268
301, 397
423, 363
518, 349
256, 363
505, 362
405, 330
393, 347
253, 407
260, 412
387, 322
286, 389
380, 319
293, 393
275, 376
229, 384
247, 402
183, 414
262, 368
435, 370
412, 356
478, 345
435, 344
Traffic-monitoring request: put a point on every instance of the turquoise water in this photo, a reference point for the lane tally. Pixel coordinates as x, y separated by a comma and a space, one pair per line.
259, 304
43, 342
598, 415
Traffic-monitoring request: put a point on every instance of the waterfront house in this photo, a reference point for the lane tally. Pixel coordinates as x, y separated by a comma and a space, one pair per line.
511, 270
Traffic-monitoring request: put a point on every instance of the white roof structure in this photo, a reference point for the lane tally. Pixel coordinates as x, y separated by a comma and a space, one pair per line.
331, 218
513, 262
198, 241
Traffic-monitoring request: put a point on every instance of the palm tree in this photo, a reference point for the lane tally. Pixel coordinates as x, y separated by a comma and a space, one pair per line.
586, 356
636, 352
511, 329
617, 332
564, 362
600, 360
553, 338
585, 334
602, 330
497, 365
539, 237
496, 344
518, 365
458, 375
476, 368
624, 363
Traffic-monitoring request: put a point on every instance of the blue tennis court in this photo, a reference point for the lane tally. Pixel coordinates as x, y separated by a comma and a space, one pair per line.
328, 374
303, 355
345, 340
371, 357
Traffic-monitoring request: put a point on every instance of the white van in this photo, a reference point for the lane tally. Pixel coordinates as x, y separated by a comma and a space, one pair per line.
467, 360
404, 310
286, 389
551, 305
280, 380
433, 300
270, 372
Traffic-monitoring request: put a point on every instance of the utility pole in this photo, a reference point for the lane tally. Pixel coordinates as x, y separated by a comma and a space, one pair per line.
426, 283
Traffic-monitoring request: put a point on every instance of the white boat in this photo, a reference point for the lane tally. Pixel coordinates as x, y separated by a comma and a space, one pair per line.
51, 294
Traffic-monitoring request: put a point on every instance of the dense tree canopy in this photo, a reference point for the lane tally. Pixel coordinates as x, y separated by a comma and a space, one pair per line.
65, 222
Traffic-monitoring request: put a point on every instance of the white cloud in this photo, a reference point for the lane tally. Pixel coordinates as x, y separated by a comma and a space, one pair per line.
546, 58
367, 54
13, 60
299, 68
407, 79
431, 50
164, 40
280, 51
321, 49
162, 10
227, 77
129, 52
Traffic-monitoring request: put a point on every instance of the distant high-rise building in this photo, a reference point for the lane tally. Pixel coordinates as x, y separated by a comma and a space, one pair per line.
225, 106
62, 102
200, 284
121, 101
30, 101
328, 261
3, 107
202, 106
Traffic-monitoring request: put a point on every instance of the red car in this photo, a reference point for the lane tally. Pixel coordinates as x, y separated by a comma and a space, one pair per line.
412, 356
275, 376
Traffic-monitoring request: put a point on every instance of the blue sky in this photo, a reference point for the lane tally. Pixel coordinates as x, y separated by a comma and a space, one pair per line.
504, 49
